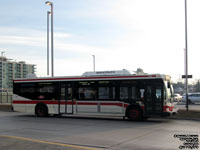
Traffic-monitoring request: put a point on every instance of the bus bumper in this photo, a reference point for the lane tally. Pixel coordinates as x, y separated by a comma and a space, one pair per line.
171, 113
166, 114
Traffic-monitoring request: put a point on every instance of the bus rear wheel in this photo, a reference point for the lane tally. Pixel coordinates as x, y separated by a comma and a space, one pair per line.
135, 114
41, 110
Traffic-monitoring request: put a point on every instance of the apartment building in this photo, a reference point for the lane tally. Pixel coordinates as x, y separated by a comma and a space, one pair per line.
10, 70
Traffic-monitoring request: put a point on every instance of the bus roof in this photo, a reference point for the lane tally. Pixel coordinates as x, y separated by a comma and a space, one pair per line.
84, 78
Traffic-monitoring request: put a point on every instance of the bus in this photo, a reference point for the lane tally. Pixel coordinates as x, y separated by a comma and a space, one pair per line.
112, 93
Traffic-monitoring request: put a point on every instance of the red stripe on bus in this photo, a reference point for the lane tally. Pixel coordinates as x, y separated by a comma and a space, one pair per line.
81, 78
33, 102
82, 103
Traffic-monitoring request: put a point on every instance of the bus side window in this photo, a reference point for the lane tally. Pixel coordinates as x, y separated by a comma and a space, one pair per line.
128, 90
86, 90
103, 93
133, 92
123, 92
69, 93
62, 93
47, 91
26, 90
82, 93
106, 90
88, 93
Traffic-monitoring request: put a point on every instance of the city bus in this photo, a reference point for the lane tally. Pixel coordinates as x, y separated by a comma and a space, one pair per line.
112, 93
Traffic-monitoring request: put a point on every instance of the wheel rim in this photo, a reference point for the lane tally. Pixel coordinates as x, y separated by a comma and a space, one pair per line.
41, 111
134, 114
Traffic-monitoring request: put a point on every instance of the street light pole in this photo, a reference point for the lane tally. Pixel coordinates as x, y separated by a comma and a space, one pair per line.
93, 62
52, 53
186, 57
48, 13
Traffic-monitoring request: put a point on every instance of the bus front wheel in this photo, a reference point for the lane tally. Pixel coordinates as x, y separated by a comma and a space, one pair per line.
135, 114
41, 110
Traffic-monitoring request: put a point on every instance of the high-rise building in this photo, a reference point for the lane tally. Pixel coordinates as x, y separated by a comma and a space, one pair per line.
10, 70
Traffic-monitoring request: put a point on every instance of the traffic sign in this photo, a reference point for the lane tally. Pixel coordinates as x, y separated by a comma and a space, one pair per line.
188, 76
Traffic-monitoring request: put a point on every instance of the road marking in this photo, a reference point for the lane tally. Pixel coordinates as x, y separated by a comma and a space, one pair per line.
46, 142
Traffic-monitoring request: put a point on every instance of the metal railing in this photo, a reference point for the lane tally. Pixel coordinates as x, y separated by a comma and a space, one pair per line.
5, 97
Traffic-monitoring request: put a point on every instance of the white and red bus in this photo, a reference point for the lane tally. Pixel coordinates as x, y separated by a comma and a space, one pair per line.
96, 93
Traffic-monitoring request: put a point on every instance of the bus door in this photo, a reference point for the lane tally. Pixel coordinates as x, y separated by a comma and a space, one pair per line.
153, 99
66, 103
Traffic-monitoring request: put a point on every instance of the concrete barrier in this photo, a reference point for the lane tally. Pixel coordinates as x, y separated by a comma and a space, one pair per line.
6, 107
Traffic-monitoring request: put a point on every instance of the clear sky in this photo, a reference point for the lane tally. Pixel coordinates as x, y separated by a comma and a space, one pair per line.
122, 34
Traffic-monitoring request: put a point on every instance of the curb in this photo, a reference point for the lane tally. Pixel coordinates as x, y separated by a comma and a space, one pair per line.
176, 118
187, 115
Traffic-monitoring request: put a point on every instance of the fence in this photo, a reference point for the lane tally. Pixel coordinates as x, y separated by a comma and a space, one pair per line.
5, 97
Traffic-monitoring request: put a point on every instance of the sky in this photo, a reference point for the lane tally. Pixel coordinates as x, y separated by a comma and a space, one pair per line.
122, 34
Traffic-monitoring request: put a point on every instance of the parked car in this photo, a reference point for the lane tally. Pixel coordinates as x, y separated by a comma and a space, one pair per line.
192, 98
177, 97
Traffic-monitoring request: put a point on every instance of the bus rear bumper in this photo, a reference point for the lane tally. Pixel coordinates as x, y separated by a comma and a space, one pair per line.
166, 114
174, 112
171, 113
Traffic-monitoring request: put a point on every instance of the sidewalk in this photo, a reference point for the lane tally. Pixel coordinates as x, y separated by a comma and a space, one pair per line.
5, 107
187, 115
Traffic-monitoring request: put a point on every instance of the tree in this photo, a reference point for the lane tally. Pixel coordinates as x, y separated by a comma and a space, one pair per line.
197, 86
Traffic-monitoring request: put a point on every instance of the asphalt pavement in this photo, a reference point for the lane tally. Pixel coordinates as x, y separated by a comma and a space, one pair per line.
19, 143
25, 131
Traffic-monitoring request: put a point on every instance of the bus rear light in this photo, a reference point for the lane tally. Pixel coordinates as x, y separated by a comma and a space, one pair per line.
168, 108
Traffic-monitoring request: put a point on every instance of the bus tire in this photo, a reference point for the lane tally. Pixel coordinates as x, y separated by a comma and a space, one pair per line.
134, 113
41, 110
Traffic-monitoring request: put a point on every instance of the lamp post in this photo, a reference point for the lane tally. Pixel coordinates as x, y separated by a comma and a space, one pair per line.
52, 54
48, 13
93, 62
186, 57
